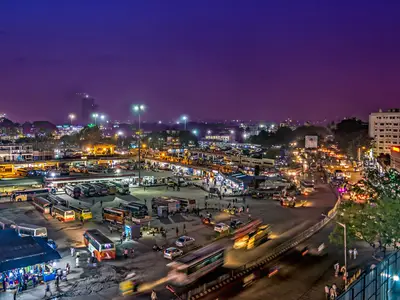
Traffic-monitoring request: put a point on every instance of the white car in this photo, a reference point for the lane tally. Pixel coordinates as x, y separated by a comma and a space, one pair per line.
184, 241
221, 227
172, 252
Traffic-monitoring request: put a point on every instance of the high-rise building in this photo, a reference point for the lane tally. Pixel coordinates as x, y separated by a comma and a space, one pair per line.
88, 108
384, 128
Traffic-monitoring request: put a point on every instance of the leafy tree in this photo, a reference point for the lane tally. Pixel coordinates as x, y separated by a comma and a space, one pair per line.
90, 134
187, 137
352, 134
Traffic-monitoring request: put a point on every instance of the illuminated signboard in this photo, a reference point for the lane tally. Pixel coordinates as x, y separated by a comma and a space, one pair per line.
396, 149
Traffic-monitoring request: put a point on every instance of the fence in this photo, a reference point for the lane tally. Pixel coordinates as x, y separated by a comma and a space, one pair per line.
203, 290
380, 283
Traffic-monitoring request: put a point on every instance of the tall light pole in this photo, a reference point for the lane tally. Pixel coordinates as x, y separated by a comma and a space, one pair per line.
138, 109
95, 116
71, 118
185, 118
345, 246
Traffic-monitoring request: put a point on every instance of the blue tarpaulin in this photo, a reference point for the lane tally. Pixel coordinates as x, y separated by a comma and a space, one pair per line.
18, 252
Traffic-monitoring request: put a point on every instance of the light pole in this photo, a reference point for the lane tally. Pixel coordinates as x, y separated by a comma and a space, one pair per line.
138, 109
345, 246
95, 116
184, 118
71, 117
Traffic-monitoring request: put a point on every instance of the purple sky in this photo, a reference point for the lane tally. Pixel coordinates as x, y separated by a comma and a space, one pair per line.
207, 59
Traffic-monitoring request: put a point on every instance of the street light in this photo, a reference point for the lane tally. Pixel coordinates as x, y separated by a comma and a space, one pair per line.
138, 109
95, 116
71, 117
345, 246
185, 118
102, 117
208, 131
195, 132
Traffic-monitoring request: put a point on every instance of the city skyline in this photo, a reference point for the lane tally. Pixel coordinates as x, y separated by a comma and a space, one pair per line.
225, 60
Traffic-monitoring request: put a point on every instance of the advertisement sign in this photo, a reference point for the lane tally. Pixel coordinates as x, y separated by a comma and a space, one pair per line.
311, 141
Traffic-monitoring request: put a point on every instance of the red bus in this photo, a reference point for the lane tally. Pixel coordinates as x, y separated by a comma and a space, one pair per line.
98, 244
114, 215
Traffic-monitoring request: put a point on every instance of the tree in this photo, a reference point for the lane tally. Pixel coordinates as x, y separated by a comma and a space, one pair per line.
90, 134
187, 137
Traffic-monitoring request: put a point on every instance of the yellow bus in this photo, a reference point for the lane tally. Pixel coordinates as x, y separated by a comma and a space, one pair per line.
82, 212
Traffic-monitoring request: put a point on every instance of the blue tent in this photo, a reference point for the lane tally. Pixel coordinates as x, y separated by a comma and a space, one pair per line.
18, 252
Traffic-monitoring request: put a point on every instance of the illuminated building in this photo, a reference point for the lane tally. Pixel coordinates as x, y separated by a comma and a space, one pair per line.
384, 128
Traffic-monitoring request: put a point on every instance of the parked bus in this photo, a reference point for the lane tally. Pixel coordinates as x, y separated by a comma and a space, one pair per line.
87, 190
114, 215
135, 209
111, 188
30, 230
99, 245
73, 191
101, 190
43, 205
55, 200
6, 223
81, 213
28, 194
187, 204
63, 214
194, 265
122, 188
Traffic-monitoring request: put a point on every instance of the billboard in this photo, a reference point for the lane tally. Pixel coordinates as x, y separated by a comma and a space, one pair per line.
311, 141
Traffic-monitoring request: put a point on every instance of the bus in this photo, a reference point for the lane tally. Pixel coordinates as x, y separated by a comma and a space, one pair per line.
187, 204
99, 245
81, 213
135, 209
114, 215
28, 194
73, 191
307, 187
250, 237
122, 188
101, 190
194, 265
30, 230
6, 223
87, 190
55, 200
111, 188
63, 214
43, 205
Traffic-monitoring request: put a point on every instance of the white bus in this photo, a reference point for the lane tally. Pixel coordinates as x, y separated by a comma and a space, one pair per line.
122, 188
43, 205
192, 266
30, 230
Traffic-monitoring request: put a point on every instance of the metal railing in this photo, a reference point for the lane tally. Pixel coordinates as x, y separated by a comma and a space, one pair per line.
204, 289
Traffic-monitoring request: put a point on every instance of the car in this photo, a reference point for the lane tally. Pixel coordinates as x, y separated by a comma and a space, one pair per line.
172, 252
184, 241
221, 227
235, 224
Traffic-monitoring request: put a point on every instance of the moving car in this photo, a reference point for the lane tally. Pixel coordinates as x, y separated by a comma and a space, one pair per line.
184, 241
172, 252
221, 227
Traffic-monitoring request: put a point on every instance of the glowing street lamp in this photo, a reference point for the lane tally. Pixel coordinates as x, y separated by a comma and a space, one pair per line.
95, 116
208, 131
71, 118
195, 131
185, 118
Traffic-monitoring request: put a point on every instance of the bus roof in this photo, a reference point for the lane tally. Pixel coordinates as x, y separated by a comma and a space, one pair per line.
115, 209
132, 203
6, 221
61, 207
99, 236
30, 226
198, 254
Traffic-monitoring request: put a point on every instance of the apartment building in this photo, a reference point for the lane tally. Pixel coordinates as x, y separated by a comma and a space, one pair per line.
384, 129
16, 152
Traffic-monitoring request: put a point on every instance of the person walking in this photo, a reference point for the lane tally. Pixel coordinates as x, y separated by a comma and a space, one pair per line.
336, 267
184, 228
101, 203
153, 295
47, 290
72, 251
334, 287
351, 253
355, 253
177, 231
125, 253
77, 261
15, 292
327, 291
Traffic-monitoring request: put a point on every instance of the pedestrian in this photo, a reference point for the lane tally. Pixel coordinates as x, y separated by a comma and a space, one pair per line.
125, 253
184, 228
77, 261
177, 232
145, 202
93, 201
68, 268
4, 283
355, 253
101, 203
334, 287
351, 253
332, 293
121, 239
81, 220
72, 251
336, 267
57, 281
47, 290
132, 252
153, 295
327, 291
15, 293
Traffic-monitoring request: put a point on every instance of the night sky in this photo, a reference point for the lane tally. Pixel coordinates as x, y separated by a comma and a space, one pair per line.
208, 59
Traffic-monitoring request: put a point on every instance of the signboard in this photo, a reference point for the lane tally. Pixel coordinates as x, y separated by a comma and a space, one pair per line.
311, 141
